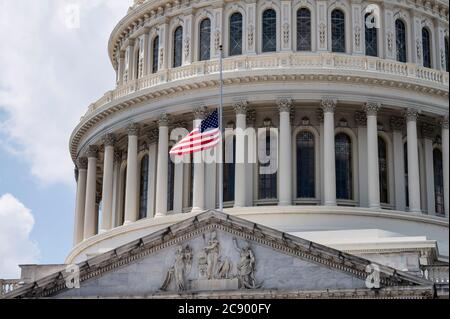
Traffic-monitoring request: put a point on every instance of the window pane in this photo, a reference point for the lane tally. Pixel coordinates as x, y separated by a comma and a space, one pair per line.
177, 47
344, 179
269, 35
400, 40
383, 170
438, 181
236, 34
205, 40
155, 55
267, 182
426, 48
143, 190
371, 35
305, 165
303, 30
338, 31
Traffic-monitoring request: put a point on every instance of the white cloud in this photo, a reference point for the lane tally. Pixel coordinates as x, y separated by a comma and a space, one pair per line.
49, 74
16, 223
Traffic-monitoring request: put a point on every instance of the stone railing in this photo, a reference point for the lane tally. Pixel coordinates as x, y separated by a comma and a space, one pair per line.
437, 274
276, 61
8, 285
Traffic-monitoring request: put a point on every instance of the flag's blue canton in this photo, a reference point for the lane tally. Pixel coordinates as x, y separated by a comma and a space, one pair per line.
211, 122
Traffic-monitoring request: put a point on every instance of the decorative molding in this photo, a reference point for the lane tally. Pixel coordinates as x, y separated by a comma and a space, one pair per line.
240, 107
109, 139
163, 120
133, 129
372, 108
284, 105
200, 112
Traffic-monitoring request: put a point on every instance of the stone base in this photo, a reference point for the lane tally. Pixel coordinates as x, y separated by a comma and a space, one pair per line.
215, 284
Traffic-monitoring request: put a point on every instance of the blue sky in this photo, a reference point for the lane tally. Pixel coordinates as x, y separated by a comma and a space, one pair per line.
50, 71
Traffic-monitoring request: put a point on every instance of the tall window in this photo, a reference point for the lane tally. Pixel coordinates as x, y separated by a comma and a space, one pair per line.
143, 190
306, 158
137, 64
267, 182
371, 35
383, 170
344, 176
400, 40
438, 181
177, 47
269, 31
205, 40
303, 30
228, 174
337, 31
170, 184
191, 181
446, 54
235, 34
426, 48
155, 55
124, 188
405, 157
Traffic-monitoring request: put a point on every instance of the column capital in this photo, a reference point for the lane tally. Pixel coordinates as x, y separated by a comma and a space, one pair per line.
82, 163
251, 117
92, 151
444, 122
109, 139
153, 136
372, 108
240, 107
200, 113
133, 129
397, 123
428, 130
411, 114
328, 105
284, 105
163, 120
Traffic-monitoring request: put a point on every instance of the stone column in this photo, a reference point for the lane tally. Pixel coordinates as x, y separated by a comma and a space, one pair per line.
239, 173
91, 192
428, 136
82, 163
361, 122
413, 161
373, 185
251, 158
198, 194
121, 67
116, 188
108, 180
163, 166
329, 167
131, 189
445, 163
397, 125
285, 153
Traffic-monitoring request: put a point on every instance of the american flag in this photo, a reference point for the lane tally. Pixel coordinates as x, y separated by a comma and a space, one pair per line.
203, 137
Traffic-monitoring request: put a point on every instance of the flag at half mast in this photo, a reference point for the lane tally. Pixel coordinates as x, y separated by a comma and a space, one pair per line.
204, 137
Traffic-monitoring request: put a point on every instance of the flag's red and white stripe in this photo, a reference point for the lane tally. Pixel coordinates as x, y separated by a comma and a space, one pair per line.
196, 142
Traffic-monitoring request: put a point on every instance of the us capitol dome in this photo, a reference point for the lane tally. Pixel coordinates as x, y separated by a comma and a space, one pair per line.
358, 92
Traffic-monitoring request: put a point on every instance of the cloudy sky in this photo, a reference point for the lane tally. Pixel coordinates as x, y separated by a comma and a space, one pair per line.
51, 69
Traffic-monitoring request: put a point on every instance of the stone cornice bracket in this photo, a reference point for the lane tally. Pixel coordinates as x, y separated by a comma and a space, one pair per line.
428, 130
163, 120
397, 123
153, 136
240, 107
328, 105
411, 114
284, 105
444, 122
82, 163
200, 112
251, 117
118, 156
92, 151
361, 119
109, 139
133, 129
372, 108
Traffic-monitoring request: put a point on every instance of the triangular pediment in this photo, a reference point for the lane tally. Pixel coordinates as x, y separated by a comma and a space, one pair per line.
218, 254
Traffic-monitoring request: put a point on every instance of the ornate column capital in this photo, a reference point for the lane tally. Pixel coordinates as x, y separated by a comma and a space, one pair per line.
372, 108
153, 136
240, 107
328, 105
411, 114
397, 123
428, 130
109, 139
82, 163
133, 129
200, 113
251, 117
163, 120
444, 122
92, 151
361, 119
284, 105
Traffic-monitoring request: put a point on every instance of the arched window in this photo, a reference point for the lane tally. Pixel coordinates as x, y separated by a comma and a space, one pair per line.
269, 31
306, 158
383, 170
337, 31
155, 55
446, 54
205, 40
371, 35
405, 156
267, 182
235, 34
438, 181
178, 47
400, 40
143, 190
303, 30
229, 172
344, 176
426, 48
170, 184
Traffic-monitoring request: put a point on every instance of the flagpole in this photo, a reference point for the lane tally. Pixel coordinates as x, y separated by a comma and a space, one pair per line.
221, 131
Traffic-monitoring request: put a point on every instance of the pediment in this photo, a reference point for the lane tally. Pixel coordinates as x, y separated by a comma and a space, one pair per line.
216, 254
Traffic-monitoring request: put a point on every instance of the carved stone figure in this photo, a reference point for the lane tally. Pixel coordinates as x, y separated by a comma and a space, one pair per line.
181, 267
212, 255
246, 267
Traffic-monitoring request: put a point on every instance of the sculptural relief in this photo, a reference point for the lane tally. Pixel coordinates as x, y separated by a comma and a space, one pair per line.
246, 267
180, 269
